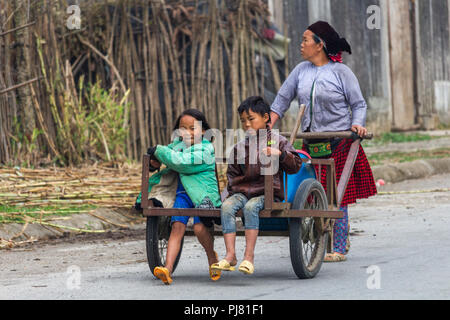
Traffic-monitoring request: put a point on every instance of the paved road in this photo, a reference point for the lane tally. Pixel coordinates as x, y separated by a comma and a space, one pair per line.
400, 250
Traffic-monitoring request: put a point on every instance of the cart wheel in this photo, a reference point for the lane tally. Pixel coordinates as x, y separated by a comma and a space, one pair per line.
157, 237
307, 242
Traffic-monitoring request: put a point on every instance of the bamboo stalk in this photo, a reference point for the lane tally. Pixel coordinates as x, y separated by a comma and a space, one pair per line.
242, 53
42, 123
19, 85
17, 28
116, 72
67, 227
108, 156
263, 68
108, 221
163, 60
56, 212
173, 61
235, 76
275, 73
168, 55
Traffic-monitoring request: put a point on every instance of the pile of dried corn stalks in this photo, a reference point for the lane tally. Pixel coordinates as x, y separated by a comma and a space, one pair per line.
64, 191
99, 185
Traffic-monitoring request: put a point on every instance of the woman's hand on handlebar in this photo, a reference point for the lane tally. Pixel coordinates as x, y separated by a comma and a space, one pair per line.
274, 118
361, 131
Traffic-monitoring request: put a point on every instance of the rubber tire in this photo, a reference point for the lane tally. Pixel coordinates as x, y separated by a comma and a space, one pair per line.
295, 233
157, 228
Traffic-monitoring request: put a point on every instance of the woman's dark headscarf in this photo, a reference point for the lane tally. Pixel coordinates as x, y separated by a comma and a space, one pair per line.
334, 44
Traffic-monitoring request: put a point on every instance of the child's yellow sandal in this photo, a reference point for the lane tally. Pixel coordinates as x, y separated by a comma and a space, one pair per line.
222, 265
163, 274
247, 267
215, 274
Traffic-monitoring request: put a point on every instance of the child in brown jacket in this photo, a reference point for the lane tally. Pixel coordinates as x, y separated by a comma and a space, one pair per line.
262, 152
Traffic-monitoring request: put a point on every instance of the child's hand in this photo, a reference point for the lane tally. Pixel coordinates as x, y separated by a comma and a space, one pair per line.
271, 152
151, 151
155, 164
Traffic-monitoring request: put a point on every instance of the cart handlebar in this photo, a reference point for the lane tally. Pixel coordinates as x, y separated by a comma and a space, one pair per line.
329, 135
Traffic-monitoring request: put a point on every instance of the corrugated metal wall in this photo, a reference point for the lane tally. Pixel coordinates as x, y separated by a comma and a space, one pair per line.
432, 19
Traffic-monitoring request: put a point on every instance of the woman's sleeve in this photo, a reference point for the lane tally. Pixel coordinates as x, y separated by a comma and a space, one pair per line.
200, 158
354, 96
286, 94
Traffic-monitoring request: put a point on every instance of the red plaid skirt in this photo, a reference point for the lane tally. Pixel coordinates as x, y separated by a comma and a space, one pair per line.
361, 184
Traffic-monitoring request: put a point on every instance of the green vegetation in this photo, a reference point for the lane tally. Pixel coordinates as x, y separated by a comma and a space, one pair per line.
442, 126
400, 157
392, 137
21, 214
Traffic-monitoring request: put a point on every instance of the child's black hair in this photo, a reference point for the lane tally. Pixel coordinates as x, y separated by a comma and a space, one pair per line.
256, 104
197, 115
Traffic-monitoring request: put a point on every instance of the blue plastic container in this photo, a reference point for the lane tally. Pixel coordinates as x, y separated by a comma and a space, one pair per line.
293, 182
